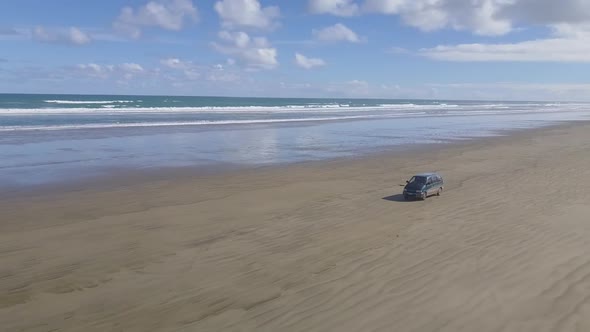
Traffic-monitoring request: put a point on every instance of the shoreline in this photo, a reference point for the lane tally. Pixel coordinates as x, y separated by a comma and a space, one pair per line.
50, 157
112, 178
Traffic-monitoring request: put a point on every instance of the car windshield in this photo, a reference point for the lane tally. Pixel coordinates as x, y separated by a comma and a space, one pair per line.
417, 180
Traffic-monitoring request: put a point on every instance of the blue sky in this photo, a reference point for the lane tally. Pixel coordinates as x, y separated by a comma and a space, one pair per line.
445, 49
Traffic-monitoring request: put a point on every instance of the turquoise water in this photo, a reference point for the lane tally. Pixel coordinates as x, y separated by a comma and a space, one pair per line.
121, 101
51, 112
59, 138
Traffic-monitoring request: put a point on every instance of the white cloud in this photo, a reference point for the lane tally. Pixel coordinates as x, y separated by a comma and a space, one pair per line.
358, 87
72, 36
459, 91
78, 37
334, 7
547, 11
125, 70
246, 13
228, 80
166, 14
223, 77
254, 53
308, 63
567, 44
175, 63
239, 39
398, 50
8, 31
131, 68
512, 91
182, 71
190, 70
40, 34
482, 17
479, 16
353, 88
96, 70
337, 32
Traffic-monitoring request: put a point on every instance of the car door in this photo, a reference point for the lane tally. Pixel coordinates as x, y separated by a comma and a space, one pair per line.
429, 185
437, 184
433, 185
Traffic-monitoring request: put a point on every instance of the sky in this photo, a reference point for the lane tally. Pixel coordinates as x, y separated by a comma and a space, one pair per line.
408, 49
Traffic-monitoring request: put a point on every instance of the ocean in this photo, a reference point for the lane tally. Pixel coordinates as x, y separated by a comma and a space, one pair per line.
56, 138
60, 112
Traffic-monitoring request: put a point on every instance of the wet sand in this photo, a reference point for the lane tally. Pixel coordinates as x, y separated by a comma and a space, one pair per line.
328, 246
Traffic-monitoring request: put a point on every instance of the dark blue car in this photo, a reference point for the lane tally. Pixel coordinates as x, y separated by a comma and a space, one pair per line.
423, 185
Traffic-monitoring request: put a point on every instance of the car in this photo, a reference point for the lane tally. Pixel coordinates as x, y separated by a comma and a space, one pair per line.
423, 185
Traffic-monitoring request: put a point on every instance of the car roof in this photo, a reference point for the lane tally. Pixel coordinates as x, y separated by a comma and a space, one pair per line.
426, 174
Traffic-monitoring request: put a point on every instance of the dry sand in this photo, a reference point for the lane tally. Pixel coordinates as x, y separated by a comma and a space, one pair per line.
315, 247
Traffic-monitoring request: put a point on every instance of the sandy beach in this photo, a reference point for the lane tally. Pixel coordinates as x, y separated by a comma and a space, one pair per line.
327, 246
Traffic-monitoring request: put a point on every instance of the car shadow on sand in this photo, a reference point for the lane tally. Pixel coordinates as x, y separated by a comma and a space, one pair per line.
399, 198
